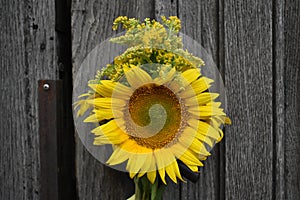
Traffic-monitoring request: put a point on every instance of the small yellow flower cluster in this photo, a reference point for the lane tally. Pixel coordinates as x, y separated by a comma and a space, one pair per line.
127, 23
149, 33
149, 42
172, 22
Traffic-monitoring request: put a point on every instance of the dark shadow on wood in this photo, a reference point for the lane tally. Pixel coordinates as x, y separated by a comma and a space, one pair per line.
66, 141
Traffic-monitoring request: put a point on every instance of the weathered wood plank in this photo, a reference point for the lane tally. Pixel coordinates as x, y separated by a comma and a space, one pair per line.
278, 107
165, 8
91, 24
200, 22
292, 99
248, 78
27, 53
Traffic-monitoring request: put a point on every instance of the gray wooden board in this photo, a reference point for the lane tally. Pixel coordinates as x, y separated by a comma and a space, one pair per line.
291, 82
278, 52
27, 53
249, 82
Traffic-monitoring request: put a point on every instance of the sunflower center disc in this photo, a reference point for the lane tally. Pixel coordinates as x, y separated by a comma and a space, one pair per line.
156, 109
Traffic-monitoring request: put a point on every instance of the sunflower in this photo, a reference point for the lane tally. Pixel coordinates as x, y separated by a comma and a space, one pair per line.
152, 120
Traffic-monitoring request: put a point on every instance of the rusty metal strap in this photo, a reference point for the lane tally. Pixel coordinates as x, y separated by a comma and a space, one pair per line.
50, 108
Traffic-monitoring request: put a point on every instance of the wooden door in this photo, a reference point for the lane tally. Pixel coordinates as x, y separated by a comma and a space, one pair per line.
255, 44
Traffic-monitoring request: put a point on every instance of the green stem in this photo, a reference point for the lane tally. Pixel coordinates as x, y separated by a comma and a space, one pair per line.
145, 190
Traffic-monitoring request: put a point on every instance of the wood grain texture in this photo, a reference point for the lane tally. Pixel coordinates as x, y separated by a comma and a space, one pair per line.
91, 24
249, 81
165, 8
27, 53
292, 99
278, 107
200, 22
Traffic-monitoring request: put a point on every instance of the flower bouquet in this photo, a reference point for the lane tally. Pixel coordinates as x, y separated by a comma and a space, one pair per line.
152, 107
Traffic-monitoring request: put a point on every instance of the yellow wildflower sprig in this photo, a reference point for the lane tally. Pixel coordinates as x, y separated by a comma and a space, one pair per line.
149, 42
149, 33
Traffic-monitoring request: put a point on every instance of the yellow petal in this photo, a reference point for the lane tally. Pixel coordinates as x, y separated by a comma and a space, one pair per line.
92, 118
137, 77
199, 148
132, 175
108, 103
177, 171
190, 158
136, 162
173, 172
109, 127
207, 130
103, 114
187, 137
205, 112
198, 86
84, 106
194, 168
84, 95
178, 149
151, 176
189, 140
149, 165
227, 120
109, 133
104, 88
121, 91
206, 97
160, 166
118, 156
205, 139
103, 139
191, 75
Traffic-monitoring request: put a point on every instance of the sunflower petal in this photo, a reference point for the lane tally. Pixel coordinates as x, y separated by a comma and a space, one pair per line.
199, 148
198, 86
103, 139
227, 120
151, 176
206, 97
205, 112
149, 165
122, 92
173, 172
194, 168
92, 118
190, 158
84, 106
160, 165
103, 114
204, 128
137, 77
139, 160
118, 156
191, 75
105, 88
